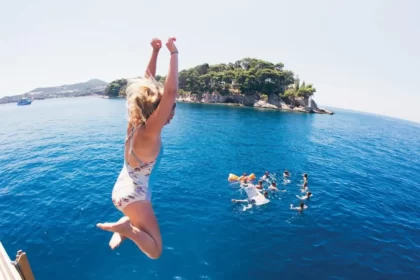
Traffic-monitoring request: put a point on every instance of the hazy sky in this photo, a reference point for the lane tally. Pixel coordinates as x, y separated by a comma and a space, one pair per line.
361, 55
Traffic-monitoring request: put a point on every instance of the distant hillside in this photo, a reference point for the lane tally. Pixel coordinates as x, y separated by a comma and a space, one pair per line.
93, 86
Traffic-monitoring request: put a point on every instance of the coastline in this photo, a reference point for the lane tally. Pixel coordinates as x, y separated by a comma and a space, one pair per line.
262, 105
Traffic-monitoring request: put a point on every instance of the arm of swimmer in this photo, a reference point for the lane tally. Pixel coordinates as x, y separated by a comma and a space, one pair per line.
249, 206
161, 115
239, 200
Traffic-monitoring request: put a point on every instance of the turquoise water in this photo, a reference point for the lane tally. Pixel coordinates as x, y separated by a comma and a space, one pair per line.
59, 160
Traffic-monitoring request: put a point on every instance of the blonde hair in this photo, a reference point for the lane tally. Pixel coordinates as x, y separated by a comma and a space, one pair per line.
143, 97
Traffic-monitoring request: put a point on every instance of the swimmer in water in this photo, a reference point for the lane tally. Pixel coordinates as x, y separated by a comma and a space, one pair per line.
260, 185
307, 196
273, 187
300, 208
305, 177
244, 183
304, 187
151, 106
266, 175
286, 174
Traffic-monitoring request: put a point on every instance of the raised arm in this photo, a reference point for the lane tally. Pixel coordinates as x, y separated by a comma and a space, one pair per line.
161, 115
151, 67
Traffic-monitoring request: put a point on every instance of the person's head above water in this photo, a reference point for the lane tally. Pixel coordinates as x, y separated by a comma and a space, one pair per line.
260, 182
301, 204
274, 184
244, 174
143, 98
308, 194
266, 173
266, 194
305, 175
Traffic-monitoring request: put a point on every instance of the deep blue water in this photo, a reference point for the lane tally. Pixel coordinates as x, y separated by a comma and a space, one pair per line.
59, 160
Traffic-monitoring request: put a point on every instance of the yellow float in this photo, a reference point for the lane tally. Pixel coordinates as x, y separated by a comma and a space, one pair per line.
232, 177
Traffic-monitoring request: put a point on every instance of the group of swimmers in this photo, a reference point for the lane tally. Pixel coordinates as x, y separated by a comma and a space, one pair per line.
244, 182
305, 190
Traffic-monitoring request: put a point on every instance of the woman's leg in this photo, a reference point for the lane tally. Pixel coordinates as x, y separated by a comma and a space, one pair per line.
142, 228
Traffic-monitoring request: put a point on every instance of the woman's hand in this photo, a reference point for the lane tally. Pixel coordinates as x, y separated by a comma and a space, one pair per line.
156, 44
171, 45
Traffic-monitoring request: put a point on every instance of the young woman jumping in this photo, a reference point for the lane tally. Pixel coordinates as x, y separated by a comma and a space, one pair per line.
151, 106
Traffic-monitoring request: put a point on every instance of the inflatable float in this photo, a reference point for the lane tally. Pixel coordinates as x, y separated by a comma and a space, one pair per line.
233, 177
256, 196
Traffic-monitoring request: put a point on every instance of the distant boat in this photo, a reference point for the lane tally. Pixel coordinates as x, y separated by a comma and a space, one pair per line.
24, 101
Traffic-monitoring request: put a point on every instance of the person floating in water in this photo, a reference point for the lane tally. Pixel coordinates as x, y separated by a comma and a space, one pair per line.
304, 187
273, 187
286, 176
300, 208
244, 183
260, 185
243, 177
307, 196
305, 178
266, 176
151, 106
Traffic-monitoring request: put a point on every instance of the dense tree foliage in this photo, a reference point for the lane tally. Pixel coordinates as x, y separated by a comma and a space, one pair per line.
247, 76
116, 88
306, 90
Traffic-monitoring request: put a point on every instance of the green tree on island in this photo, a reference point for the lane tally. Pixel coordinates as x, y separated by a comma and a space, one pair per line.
116, 88
249, 76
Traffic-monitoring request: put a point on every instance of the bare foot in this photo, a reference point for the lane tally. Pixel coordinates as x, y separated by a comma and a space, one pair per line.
116, 240
119, 228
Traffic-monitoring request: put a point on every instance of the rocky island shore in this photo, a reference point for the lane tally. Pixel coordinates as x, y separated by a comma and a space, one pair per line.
273, 103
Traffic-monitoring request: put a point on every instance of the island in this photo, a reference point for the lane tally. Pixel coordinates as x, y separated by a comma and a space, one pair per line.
247, 82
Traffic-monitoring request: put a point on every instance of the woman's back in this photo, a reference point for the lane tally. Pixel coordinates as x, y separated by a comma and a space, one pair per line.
140, 146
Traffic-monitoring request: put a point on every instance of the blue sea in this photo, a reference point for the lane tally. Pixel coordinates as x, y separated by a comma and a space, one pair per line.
59, 160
